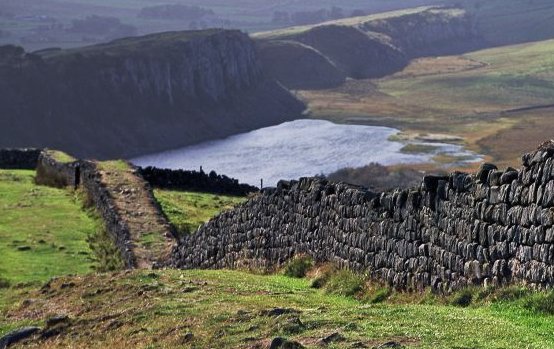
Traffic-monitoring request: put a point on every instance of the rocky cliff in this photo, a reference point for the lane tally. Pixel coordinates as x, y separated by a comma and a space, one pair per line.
433, 32
369, 47
287, 60
138, 95
491, 228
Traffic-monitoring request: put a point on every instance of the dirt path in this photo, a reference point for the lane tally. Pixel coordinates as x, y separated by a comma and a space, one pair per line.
150, 232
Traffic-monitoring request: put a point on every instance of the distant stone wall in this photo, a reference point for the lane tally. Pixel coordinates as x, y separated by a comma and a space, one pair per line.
491, 228
24, 159
55, 173
195, 181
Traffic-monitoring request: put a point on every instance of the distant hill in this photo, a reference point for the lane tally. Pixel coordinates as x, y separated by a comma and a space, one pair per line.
506, 22
138, 95
377, 45
369, 46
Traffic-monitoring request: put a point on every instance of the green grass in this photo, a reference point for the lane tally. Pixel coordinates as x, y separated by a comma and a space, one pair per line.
60, 156
188, 210
413, 148
43, 231
114, 165
224, 309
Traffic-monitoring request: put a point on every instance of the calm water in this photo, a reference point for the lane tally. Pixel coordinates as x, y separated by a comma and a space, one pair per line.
295, 149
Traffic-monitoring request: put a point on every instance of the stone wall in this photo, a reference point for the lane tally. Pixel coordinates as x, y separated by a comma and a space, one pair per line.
24, 159
104, 204
55, 173
195, 181
491, 228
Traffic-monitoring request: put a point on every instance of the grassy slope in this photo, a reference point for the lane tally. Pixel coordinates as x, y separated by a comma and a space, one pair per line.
222, 309
461, 95
509, 21
188, 210
49, 222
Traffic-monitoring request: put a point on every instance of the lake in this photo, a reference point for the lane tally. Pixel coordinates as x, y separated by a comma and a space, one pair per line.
298, 149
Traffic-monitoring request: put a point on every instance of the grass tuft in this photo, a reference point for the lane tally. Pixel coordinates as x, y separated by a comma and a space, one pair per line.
298, 266
462, 298
541, 303
344, 283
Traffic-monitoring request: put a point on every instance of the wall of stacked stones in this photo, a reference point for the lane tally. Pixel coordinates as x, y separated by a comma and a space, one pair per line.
101, 199
195, 181
85, 174
491, 228
54, 173
24, 159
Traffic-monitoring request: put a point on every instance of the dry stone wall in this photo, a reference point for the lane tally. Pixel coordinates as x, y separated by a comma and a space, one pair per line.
23, 159
102, 200
86, 174
491, 228
194, 181
55, 173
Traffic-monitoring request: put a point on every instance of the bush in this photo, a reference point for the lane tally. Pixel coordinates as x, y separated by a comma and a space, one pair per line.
106, 254
344, 283
511, 293
462, 298
541, 303
298, 266
322, 275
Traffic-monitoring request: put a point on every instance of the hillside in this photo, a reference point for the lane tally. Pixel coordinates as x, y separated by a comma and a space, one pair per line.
496, 100
230, 309
138, 95
38, 24
506, 22
370, 46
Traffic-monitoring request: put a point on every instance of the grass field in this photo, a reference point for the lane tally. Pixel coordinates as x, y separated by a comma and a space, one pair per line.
43, 231
188, 210
472, 96
232, 309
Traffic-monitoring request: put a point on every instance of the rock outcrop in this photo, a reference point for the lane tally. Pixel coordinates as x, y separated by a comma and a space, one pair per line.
491, 228
138, 95
367, 47
433, 32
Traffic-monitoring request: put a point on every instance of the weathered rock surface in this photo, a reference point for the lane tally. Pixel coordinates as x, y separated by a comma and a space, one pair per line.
449, 233
138, 95
17, 335
287, 60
